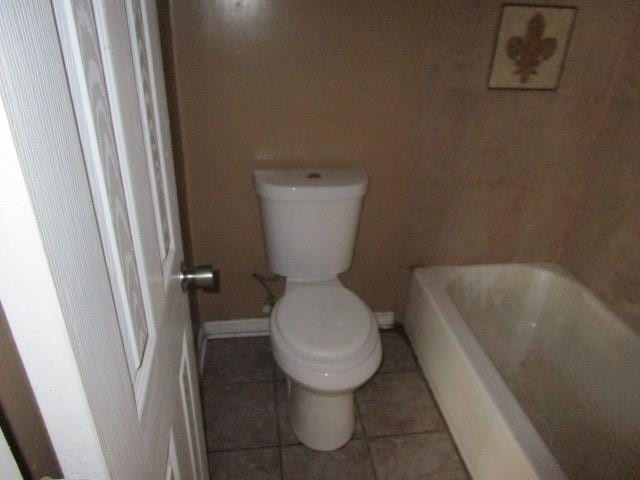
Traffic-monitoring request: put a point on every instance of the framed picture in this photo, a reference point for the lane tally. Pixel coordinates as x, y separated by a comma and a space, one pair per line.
531, 47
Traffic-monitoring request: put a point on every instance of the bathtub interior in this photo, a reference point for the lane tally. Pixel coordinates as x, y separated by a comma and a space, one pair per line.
570, 362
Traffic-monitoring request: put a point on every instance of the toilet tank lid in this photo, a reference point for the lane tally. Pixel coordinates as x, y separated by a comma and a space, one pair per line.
311, 184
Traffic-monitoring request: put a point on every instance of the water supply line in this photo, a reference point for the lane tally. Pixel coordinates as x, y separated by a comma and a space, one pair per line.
270, 301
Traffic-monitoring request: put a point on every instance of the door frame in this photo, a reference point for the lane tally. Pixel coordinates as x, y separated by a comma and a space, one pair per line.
8, 463
54, 282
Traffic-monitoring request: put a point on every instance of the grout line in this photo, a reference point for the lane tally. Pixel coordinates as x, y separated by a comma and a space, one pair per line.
244, 382
414, 370
407, 434
240, 449
277, 416
394, 372
365, 437
446, 430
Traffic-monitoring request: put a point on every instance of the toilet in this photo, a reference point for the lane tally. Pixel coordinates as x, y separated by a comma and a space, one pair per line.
324, 338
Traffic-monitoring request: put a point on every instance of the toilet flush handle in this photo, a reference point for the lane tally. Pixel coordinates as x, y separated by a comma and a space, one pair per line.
202, 277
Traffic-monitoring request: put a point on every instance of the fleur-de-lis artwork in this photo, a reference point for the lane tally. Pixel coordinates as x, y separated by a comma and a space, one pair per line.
531, 47
531, 50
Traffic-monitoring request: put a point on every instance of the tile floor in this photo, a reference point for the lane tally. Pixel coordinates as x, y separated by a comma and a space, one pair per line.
400, 433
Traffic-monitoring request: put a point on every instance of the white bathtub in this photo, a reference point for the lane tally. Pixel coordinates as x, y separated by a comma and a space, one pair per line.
536, 378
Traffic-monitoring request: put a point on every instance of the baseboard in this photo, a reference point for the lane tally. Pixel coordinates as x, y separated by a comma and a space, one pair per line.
242, 327
385, 320
259, 327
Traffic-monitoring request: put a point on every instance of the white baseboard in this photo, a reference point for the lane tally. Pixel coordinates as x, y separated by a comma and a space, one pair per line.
258, 327
385, 320
241, 327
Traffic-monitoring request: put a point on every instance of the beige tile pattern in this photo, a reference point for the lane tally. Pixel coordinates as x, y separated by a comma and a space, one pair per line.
397, 355
287, 437
351, 462
242, 360
253, 464
427, 456
240, 416
243, 440
397, 403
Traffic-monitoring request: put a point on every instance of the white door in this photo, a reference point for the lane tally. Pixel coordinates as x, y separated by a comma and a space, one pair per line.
137, 365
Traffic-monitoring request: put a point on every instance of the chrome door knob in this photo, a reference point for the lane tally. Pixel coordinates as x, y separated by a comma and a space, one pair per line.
202, 277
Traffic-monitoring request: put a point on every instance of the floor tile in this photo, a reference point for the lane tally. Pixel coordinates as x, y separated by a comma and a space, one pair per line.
249, 436
426, 456
240, 416
397, 403
238, 360
351, 462
397, 355
254, 464
287, 437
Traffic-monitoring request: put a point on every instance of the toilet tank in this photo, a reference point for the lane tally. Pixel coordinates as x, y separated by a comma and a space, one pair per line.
310, 218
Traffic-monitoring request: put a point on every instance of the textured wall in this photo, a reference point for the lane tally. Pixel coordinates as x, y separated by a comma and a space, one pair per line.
509, 175
602, 246
459, 173
292, 83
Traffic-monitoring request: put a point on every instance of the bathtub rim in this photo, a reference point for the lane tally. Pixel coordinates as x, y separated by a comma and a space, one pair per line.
433, 284
447, 271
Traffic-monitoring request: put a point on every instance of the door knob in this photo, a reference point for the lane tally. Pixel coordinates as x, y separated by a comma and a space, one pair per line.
202, 277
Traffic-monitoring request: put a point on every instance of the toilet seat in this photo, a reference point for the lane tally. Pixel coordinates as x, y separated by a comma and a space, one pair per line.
325, 337
327, 324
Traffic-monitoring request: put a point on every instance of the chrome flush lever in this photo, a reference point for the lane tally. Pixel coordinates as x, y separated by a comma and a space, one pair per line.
202, 277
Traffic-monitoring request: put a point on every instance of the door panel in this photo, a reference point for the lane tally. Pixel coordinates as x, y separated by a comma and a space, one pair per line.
172, 469
189, 396
149, 112
93, 114
112, 56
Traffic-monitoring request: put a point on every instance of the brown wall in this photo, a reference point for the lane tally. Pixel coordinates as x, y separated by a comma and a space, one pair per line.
459, 173
295, 83
602, 246
508, 175
19, 414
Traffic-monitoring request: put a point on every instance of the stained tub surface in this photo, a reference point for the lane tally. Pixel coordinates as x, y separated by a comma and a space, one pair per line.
536, 377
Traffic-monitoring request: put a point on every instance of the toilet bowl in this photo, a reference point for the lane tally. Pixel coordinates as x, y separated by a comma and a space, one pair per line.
326, 341
324, 337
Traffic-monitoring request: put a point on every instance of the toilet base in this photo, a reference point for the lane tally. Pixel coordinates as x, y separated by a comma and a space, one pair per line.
320, 421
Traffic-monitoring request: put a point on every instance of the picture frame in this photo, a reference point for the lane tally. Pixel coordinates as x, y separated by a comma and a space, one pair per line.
531, 46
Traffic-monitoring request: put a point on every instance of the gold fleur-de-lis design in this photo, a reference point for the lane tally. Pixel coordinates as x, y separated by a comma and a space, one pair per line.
529, 52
